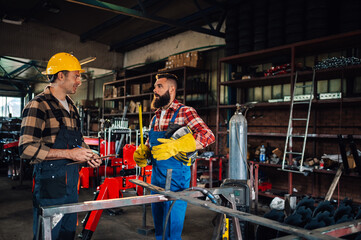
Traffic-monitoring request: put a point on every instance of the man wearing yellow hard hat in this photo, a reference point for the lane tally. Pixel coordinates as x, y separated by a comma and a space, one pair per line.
50, 138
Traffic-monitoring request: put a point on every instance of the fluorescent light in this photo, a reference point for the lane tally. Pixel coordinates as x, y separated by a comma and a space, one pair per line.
11, 21
87, 60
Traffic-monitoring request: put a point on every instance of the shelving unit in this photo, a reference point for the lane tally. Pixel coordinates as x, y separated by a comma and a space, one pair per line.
124, 93
290, 51
90, 121
275, 129
313, 177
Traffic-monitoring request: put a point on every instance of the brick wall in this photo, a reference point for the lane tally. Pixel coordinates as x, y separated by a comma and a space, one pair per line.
325, 119
329, 120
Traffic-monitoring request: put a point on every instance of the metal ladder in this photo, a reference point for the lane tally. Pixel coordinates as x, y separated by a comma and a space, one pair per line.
305, 99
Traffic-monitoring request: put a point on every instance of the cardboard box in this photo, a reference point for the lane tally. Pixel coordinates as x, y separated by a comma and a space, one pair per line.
146, 105
351, 162
132, 106
115, 92
146, 87
108, 93
137, 107
135, 89
120, 91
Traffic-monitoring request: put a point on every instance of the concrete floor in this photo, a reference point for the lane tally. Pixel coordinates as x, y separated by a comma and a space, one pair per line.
16, 217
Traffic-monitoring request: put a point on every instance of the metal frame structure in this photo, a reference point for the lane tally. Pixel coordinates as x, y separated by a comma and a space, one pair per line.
331, 232
145, 16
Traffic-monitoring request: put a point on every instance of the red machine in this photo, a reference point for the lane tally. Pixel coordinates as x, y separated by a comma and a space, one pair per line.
116, 180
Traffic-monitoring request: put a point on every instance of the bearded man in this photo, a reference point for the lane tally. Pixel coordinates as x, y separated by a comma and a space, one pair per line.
166, 152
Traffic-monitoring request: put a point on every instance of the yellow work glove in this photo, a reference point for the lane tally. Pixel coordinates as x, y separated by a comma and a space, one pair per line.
170, 147
141, 155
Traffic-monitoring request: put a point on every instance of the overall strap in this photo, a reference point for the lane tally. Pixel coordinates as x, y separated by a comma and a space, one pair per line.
57, 113
175, 114
153, 122
172, 120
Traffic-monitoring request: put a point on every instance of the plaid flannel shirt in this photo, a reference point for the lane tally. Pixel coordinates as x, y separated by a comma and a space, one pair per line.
39, 126
187, 116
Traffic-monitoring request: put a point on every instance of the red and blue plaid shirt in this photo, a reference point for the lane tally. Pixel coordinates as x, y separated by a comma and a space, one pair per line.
187, 116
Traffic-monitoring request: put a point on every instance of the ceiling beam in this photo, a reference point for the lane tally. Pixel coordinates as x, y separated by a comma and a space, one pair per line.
19, 80
111, 22
144, 16
164, 28
19, 61
21, 69
7, 76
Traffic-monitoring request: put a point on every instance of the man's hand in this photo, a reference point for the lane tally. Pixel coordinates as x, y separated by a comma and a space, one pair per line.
170, 147
85, 155
141, 155
95, 162
80, 154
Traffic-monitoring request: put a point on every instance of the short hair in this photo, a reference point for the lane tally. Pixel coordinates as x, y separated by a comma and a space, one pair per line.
53, 77
171, 77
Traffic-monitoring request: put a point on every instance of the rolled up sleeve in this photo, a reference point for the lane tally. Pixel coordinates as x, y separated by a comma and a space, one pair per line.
201, 131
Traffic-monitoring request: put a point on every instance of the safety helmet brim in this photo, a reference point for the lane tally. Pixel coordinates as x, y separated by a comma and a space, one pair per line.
62, 62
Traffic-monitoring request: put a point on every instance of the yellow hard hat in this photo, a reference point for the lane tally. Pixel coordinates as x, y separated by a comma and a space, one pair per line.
62, 61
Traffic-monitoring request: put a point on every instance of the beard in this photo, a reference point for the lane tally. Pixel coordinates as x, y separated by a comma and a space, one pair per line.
161, 101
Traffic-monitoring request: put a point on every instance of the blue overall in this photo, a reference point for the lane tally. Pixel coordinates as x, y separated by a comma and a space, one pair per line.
56, 182
181, 176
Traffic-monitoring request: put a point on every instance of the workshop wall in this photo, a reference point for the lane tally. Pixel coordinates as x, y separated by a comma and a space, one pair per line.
169, 46
38, 42
327, 121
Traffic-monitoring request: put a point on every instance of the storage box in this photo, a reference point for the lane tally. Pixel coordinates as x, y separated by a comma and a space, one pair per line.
120, 91
146, 105
115, 92
135, 89
108, 92
264, 186
146, 87
132, 106
351, 162
137, 107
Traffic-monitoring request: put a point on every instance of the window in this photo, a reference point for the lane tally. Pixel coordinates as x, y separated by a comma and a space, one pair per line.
10, 106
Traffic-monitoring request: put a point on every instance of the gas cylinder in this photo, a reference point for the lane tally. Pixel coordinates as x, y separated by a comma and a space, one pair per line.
238, 146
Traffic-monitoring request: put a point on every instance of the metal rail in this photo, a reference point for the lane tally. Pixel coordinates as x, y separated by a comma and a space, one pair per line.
331, 232
47, 213
307, 234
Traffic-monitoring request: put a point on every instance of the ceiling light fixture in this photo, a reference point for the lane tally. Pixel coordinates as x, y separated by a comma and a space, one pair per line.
12, 20
87, 60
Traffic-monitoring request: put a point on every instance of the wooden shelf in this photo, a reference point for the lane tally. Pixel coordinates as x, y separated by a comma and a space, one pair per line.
330, 73
322, 74
133, 114
113, 99
315, 103
257, 81
139, 96
128, 114
303, 48
283, 135
255, 57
